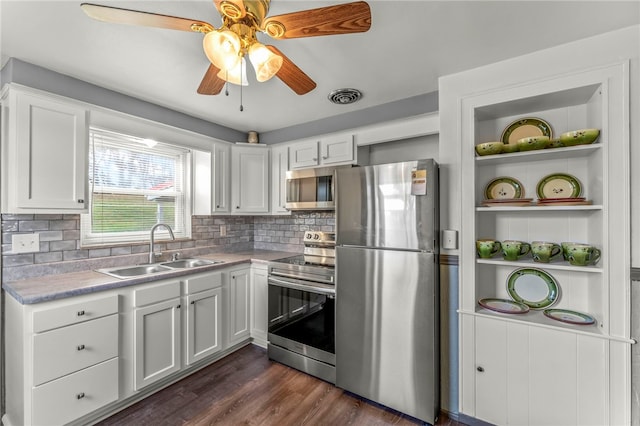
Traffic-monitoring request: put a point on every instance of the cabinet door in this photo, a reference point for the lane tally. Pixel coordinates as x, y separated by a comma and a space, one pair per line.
304, 154
250, 179
221, 177
51, 155
279, 167
157, 342
239, 317
203, 324
259, 303
336, 149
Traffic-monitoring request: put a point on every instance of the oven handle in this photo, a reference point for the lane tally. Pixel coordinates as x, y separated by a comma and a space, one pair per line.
320, 289
295, 277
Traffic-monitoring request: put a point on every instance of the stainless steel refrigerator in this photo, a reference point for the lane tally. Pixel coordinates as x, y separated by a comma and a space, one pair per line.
387, 299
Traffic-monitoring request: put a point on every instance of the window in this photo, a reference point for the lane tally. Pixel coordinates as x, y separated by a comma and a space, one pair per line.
134, 183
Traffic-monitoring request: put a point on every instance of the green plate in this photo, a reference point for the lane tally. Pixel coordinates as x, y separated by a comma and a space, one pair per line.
524, 128
503, 188
559, 185
570, 317
533, 287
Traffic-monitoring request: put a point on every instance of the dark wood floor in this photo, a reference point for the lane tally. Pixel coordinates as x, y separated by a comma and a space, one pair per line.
245, 388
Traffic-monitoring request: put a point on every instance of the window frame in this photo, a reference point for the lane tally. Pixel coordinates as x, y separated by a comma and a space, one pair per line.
88, 238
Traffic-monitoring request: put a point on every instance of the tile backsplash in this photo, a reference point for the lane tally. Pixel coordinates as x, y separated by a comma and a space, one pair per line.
61, 252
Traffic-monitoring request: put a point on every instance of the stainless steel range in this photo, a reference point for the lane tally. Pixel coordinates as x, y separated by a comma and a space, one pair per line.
302, 308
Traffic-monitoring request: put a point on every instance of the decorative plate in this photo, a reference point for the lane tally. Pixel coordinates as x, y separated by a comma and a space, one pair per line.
559, 185
524, 128
508, 202
503, 187
533, 287
504, 306
570, 317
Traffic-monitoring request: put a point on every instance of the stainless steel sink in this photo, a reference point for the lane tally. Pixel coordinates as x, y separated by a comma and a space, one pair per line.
156, 268
134, 271
189, 263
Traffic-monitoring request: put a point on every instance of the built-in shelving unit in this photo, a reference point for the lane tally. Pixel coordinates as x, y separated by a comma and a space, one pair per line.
507, 360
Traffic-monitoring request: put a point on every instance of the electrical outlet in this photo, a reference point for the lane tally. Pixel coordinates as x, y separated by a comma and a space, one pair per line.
223, 230
450, 239
25, 243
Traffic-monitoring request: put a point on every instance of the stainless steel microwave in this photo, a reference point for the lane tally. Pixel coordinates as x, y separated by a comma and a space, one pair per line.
311, 189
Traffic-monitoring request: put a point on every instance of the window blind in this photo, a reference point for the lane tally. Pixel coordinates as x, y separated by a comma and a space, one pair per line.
134, 183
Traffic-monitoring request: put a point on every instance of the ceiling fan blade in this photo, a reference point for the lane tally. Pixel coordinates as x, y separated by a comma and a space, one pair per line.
135, 17
341, 19
293, 76
211, 84
233, 9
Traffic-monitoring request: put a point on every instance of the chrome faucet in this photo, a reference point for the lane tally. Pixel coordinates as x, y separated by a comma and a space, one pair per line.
152, 254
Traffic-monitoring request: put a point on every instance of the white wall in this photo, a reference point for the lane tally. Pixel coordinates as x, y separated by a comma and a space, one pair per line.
404, 150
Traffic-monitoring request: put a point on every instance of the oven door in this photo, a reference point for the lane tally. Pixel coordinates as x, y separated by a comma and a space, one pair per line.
302, 325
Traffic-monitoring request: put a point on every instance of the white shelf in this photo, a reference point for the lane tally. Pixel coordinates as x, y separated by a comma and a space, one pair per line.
561, 266
539, 155
535, 208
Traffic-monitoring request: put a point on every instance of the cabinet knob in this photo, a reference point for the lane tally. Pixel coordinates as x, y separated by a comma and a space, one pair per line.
178, 307
315, 159
237, 207
80, 347
80, 395
80, 313
80, 201
217, 206
193, 302
480, 369
324, 157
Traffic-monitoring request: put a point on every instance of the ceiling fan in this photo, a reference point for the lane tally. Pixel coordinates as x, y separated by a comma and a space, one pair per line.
227, 46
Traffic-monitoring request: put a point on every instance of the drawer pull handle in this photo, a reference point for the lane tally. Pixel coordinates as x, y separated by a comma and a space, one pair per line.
80, 347
480, 369
80, 313
80, 395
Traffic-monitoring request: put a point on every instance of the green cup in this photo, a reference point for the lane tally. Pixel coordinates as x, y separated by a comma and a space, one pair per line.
544, 251
580, 254
487, 248
514, 250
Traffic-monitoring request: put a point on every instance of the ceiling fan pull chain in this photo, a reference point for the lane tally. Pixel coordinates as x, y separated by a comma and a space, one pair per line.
226, 84
241, 107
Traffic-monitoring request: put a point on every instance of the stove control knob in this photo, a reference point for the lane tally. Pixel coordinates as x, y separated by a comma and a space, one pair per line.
316, 237
309, 236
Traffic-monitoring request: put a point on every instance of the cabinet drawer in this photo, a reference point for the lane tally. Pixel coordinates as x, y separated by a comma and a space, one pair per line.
202, 283
74, 313
68, 349
76, 395
156, 293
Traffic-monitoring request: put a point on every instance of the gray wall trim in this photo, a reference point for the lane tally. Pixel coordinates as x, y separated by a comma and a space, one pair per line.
416, 105
635, 274
20, 72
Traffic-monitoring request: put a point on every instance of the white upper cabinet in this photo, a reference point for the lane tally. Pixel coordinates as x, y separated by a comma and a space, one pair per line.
327, 150
279, 167
221, 178
44, 154
250, 179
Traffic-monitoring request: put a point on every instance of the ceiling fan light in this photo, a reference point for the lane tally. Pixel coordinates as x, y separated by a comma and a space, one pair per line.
265, 62
222, 48
236, 75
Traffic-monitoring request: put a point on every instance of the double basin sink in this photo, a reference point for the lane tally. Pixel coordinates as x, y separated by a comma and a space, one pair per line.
156, 268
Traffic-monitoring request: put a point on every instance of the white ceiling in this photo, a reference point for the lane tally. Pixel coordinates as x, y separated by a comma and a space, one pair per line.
410, 44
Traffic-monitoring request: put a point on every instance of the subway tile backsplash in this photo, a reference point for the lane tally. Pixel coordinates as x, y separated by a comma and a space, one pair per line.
61, 251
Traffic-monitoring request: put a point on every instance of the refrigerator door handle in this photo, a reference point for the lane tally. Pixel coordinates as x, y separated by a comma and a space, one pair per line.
317, 288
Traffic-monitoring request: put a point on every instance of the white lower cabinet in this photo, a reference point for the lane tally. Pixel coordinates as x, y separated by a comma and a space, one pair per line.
238, 319
259, 303
157, 337
62, 359
529, 375
203, 313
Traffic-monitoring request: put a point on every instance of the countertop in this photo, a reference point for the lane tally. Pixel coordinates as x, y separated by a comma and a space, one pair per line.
53, 287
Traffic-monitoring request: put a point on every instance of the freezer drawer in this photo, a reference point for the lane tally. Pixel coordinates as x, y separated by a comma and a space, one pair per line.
387, 328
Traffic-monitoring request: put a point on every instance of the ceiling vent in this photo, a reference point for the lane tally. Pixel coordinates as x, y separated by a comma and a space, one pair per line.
345, 96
